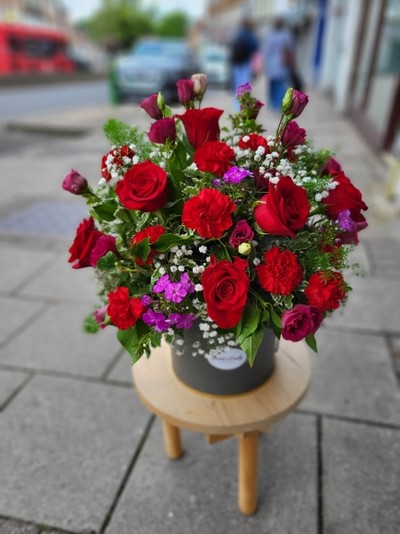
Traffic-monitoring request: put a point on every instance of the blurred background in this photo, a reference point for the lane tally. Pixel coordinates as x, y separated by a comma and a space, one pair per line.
349, 50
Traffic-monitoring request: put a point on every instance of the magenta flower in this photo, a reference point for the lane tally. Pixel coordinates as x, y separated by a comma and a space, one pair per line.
75, 183
175, 292
157, 320
150, 106
100, 316
345, 221
161, 284
235, 175
186, 283
105, 243
244, 88
182, 320
300, 322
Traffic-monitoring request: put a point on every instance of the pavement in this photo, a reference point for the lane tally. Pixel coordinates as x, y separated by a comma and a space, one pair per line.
80, 454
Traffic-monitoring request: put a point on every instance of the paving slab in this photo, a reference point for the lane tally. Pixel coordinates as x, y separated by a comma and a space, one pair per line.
14, 314
17, 265
372, 306
16, 527
198, 494
122, 370
352, 376
59, 281
56, 342
361, 479
10, 381
65, 448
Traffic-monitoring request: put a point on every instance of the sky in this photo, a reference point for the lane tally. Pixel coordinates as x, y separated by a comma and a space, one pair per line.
80, 10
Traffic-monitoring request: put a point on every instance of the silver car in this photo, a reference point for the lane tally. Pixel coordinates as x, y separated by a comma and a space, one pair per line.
153, 65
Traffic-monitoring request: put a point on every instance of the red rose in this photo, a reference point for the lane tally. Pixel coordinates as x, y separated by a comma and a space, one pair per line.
293, 135
344, 197
215, 157
85, 241
153, 233
253, 141
225, 287
144, 187
325, 290
332, 167
281, 272
284, 209
201, 125
123, 310
162, 131
209, 213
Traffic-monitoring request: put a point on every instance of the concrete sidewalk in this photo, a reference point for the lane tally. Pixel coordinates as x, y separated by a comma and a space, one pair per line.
80, 454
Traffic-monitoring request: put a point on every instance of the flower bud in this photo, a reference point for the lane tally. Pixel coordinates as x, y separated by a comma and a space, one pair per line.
185, 92
245, 249
287, 101
294, 102
199, 85
151, 106
100, 316
75, 183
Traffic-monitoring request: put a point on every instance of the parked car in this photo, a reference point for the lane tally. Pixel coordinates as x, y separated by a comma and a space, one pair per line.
214, 61
153, 65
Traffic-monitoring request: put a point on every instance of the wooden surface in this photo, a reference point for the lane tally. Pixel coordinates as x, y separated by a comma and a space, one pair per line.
166, 396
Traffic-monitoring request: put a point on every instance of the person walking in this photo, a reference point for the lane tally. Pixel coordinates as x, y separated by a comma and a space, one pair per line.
279, 62
243, 47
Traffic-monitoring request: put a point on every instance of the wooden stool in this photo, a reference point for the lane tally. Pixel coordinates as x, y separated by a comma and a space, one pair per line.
220, 417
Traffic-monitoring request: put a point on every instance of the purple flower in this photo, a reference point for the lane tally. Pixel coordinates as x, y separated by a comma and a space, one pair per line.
242, 89
146, 300
155, 319
235, 175
182, 320
161, 284
186, 283
217, 182
175, 292
346, 223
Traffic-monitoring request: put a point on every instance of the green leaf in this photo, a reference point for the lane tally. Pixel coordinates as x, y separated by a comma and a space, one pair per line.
249, 321
275, 318
130, 340
251, 344
107, 262
90, 325
124, 215
166, 241
312, 342
142, 249
105, 211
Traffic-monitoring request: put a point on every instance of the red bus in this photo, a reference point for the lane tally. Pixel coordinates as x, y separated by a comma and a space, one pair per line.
28, 49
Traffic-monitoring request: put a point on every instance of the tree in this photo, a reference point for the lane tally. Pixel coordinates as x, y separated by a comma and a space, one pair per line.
173, 24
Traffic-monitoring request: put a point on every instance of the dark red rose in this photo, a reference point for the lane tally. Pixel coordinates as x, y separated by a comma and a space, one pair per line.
325, 290
225, 287
85, 241
293, 135
261, 180
241, 233
162, 131
345, 197
144, 187
75, 183
209, 213
215, 157
284, 209
332, 167
253, 141
281, 271
300, 322
153, 233
185, 91
201, 125
150, 106
123, 310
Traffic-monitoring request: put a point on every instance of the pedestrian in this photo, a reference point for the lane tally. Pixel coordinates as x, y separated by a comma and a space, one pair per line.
279, 62
244, 45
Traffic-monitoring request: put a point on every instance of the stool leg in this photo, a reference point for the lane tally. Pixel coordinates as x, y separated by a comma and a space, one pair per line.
248, 470
172, 441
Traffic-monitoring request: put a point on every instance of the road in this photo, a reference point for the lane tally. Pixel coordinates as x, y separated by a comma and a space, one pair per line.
18, 102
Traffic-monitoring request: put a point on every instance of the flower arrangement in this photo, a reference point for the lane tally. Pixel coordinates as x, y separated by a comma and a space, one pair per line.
228, 229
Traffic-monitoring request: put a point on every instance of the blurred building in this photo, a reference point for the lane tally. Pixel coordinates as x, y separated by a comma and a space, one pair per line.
35, 12
351, 50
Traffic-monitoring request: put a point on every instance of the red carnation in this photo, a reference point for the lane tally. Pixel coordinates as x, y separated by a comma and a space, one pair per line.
284, 209
253, 141
153, 233
201, 125
209, 213
325, 290
225, 288
281, 271
143, 188
123, 310
215, 157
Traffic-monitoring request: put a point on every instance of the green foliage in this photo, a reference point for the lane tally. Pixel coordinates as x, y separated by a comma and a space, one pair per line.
173, 24
120, 133
90, 325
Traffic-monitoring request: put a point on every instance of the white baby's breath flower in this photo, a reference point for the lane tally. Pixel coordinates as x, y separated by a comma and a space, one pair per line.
203, 249
181, 268
318, 197
256, 261
173, 268
198, 287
